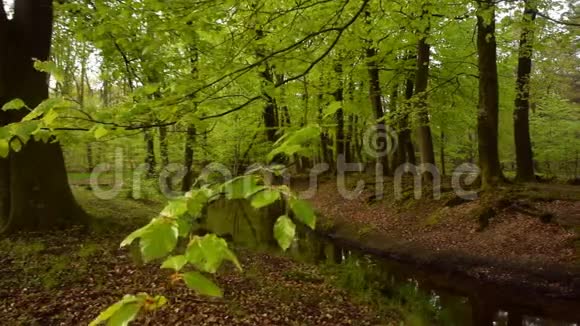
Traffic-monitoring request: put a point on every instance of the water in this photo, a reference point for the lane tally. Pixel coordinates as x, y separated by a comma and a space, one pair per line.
447, 299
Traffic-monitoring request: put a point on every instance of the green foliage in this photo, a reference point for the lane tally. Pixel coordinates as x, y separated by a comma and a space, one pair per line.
201, 284
265, 198
15, 104
304, 212
125, 310
206, 254
284, 231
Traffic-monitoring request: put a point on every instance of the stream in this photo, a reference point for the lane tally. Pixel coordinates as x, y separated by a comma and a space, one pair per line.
452, 299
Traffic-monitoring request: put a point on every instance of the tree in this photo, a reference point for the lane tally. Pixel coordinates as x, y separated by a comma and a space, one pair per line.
34, 186
487, 114
421, 82
523, 144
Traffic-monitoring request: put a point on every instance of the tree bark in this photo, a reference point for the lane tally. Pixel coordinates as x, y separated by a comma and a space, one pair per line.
187, 181
406, 149
376, 102
488, 110
523, 144
33, 197
150, 154
163, 146
339, 116
421, 82
442, 154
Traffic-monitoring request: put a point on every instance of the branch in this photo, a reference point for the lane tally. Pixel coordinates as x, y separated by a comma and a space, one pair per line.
116, 125
257, 63
556, 20
237, 108
304, 73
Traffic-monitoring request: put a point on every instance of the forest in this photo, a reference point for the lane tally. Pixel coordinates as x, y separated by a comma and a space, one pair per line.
290, 162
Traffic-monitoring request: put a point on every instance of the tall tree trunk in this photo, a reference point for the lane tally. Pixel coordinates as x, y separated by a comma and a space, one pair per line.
150, 154
81, 99
339, 116
376, 102
33, 197
270, 113
487, 117
406, 148
442, 154
187, 181
524, 155
163, 146
421, 82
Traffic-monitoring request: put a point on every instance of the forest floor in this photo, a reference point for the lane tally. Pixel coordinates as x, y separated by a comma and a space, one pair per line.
520, 229
68, 278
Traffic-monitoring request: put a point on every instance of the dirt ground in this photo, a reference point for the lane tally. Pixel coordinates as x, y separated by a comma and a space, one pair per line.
69, 277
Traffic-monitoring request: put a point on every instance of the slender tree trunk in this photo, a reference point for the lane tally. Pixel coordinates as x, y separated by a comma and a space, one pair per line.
163, 146
325, 141
270, 113
442, 154
187, 182
421, 82
81, 95
150, 154
376, 102
90, 158
339, 116
305, 161
487, 118
405, 149
523, 144
33, 197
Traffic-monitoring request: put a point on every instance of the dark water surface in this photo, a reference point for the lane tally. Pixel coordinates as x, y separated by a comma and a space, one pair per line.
456, 300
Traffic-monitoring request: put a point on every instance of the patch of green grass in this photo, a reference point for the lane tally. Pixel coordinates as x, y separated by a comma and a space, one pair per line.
369, 285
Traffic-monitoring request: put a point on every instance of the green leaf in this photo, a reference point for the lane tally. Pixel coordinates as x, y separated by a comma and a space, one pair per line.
176, 208
184, 226
15, 104
196, 201
136, 234
103, 316
158, 302
175, 262
150, 89
208, 253
47, 106
42, 135
25, 129
265, 198
4, 148
304, 212
100, 132
16, 145
113, 309
125, 314
332, 108
284, 232
241, 187
50, 117
201, 284
51, 68
158, 240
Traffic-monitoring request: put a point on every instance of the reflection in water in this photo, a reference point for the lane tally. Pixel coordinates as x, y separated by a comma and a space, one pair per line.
252, 228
